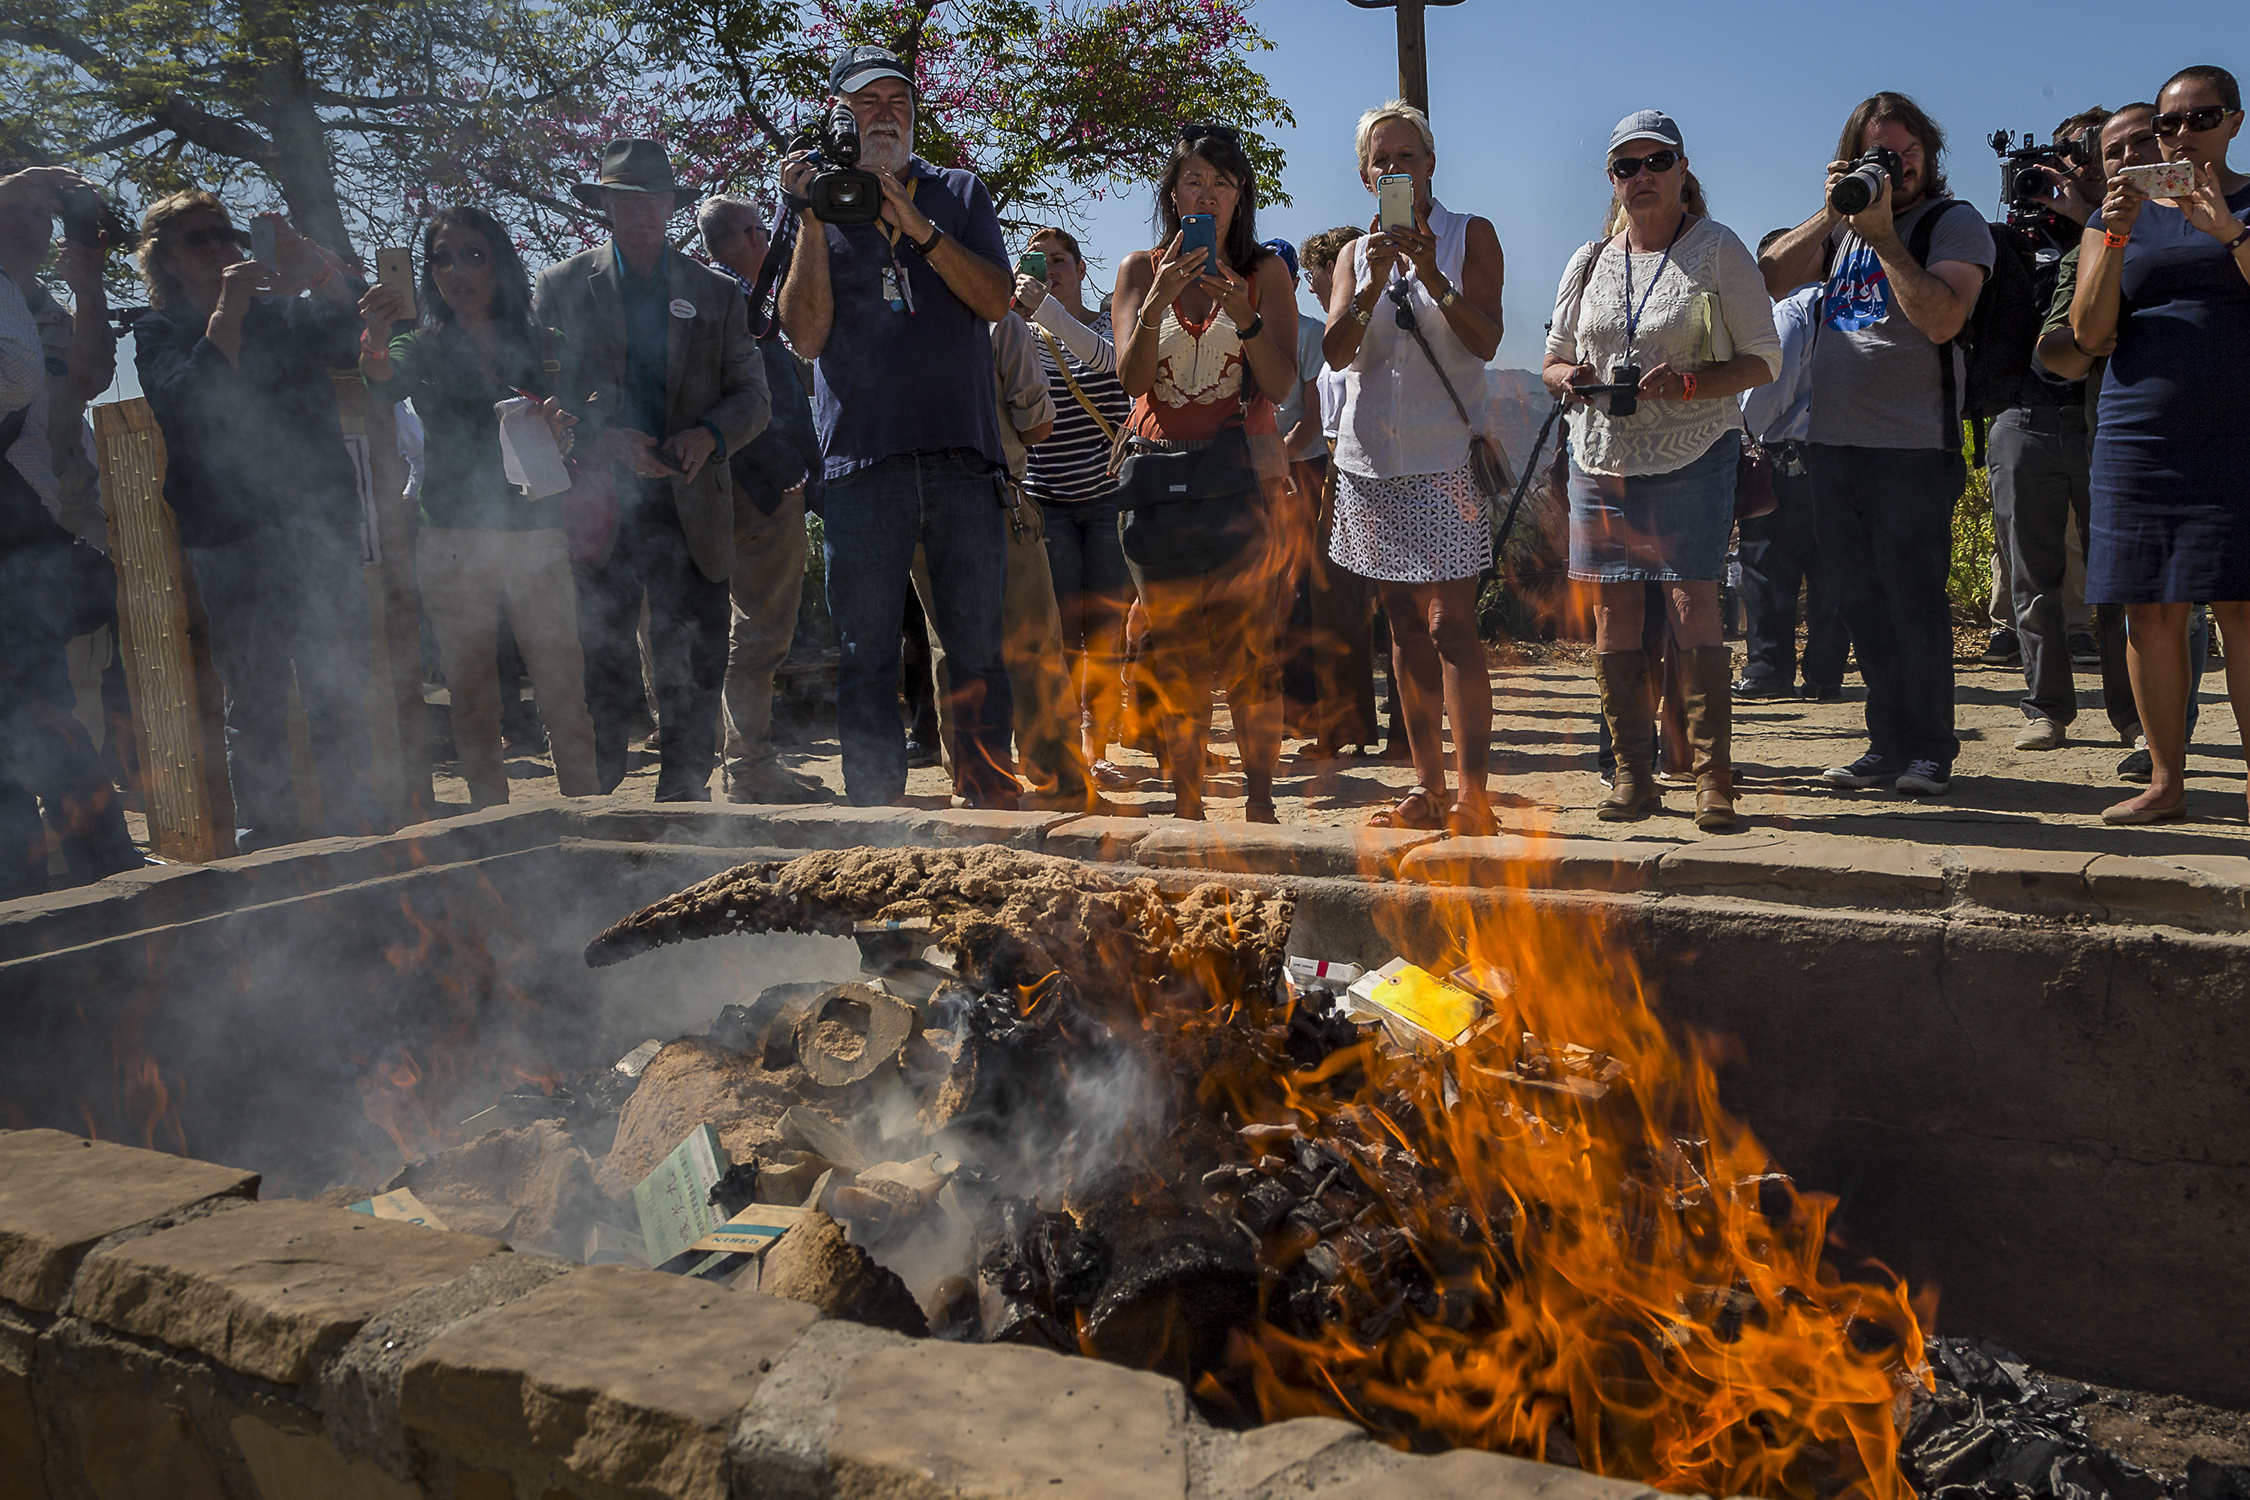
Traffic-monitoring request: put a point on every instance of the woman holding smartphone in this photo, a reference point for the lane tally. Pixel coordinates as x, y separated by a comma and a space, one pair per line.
1206, 333
2167, 282
1408, 511
1668, 316
483, 551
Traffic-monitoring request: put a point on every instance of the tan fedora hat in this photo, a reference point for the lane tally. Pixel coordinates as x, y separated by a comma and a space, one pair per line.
633, 166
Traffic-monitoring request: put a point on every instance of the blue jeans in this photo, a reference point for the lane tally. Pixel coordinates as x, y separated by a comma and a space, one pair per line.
948, 502
286, 602
1093, 591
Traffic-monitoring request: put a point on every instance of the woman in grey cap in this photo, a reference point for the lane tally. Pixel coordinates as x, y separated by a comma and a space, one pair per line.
1669, 304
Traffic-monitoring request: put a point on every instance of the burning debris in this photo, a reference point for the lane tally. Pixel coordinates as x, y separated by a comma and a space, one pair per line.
1483, 1203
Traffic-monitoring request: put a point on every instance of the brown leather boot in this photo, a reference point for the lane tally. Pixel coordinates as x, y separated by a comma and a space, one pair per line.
1707, 691
1634, 794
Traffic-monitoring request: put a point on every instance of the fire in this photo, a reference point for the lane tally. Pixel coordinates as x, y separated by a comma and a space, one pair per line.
1600, 1264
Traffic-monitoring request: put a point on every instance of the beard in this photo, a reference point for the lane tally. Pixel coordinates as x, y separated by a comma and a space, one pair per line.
882, 149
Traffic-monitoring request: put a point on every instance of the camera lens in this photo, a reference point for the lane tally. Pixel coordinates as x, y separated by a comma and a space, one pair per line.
2029, 183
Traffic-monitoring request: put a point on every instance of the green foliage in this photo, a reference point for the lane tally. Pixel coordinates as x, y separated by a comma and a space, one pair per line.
1968, 577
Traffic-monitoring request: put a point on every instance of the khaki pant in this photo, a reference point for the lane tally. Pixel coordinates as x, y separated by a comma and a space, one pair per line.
1050, 761
468, 577
768, 581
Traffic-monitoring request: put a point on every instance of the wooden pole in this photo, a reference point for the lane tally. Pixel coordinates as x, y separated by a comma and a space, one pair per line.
1413, 56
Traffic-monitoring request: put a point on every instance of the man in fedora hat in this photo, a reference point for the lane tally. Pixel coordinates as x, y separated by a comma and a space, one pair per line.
657, 347
894, 316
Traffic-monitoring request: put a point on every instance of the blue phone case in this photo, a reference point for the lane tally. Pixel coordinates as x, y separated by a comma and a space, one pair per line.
1200, 229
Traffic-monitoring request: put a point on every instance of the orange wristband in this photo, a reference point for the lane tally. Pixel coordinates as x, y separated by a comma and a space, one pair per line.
2116, 241
1687, 383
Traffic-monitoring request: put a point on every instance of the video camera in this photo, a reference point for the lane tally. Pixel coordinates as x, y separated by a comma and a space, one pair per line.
1859, 187
86, 217
838, 192
2026, 188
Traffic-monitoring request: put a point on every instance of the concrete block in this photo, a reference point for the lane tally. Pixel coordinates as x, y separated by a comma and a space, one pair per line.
2013, 877
61, 1194
855, 1414
1467, 1475
151, 896
1241, 1463
132, 1446
571, 1374
287, 1465
265, 1288
1536, 863
1807, 863
1261, 849
1104, 841
955, 826
2166, 885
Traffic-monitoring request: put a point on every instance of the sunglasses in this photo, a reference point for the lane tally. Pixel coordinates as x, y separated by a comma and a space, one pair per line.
1626, 168
1190, 134
443, 260
196, 239
2206, 118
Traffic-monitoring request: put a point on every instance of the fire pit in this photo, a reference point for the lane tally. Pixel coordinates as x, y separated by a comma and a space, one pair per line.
1552, 1236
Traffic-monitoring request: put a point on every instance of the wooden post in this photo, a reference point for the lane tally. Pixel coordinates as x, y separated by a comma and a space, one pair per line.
395, 712
1413, 56
165, 642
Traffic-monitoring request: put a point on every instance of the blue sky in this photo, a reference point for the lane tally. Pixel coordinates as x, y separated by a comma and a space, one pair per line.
1523, 97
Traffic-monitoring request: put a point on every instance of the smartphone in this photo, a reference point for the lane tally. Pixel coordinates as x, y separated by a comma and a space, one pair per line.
395, 268
1394, 201
262, 246
1203, 230
1032, 263
2162, 179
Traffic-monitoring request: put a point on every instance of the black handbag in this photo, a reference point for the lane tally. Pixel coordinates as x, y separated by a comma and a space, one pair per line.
1151, 471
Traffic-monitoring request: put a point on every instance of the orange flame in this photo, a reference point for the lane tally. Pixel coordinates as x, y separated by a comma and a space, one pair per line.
1617, 1273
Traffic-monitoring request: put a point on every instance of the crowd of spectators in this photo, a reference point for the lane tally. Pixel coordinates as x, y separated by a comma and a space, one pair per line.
1107, 511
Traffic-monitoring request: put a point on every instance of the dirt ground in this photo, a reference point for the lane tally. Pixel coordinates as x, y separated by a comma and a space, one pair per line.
1544, 748
2161, 1432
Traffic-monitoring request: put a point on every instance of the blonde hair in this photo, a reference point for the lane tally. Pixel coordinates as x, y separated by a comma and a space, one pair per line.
156, 233
1691, 199
1395, 109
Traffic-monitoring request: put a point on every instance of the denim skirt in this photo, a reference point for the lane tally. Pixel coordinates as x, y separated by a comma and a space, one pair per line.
1672, 527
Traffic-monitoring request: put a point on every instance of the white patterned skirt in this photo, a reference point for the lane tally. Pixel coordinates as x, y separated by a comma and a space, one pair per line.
1416, 528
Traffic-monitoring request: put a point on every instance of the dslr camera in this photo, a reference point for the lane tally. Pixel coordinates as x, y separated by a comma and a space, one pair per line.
1621, 393
2026, 191
838, 192
86, 218
1860, 186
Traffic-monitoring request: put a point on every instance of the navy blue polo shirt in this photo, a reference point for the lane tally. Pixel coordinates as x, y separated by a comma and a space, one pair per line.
896, 382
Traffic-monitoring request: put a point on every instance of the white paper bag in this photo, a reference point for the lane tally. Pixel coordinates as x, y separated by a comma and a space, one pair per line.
527, 449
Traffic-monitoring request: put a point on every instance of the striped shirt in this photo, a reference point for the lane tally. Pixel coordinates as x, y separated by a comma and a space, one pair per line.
1073, 464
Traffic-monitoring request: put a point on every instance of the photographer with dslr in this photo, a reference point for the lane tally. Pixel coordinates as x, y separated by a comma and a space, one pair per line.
1884, 447
892, 309
2040, 446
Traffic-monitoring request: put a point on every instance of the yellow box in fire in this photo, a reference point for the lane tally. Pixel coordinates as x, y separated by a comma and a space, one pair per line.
752, 1231
1420, 999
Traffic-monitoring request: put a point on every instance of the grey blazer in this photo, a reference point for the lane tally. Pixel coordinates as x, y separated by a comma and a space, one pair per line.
714, 374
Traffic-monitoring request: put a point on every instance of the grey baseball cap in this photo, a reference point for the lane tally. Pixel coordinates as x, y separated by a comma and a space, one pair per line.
861, 66
1647, 125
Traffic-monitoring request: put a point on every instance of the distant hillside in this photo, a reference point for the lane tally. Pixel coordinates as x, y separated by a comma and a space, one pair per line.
1519, 403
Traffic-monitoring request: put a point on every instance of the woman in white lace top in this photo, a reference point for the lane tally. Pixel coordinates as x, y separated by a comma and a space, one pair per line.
1672, 302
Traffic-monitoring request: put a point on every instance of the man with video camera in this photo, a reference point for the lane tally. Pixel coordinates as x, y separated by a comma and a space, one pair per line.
897, 268
1884, 446
2041, 447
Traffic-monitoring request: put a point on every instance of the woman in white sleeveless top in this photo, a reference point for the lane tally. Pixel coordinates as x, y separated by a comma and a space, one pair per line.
1673, 293
1408, 514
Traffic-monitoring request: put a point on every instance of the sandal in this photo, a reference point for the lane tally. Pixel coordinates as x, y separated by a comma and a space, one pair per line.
1471, 821
1416, 810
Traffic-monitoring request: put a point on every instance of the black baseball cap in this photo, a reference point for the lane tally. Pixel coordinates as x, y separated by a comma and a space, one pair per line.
861, 66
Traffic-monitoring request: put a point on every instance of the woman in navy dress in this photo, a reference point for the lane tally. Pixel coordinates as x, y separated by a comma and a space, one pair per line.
2168, 283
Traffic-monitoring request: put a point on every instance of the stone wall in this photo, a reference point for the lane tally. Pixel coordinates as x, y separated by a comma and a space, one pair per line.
164, 1335
2021, 1072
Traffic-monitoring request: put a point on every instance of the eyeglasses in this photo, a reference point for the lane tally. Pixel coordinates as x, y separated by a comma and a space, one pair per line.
468, 255
1626, 168
196, 239
1190, 134
2206, 118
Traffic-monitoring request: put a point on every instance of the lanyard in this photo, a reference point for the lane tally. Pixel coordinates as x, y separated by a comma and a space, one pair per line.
898, 287
1632, 313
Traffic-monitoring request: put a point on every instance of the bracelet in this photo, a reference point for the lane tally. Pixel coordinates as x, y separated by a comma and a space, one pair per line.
1141, 319
1252, 329
1362, 316
326, 271
2238, 241
926, 246
1687, 386
368, 349
2116, 241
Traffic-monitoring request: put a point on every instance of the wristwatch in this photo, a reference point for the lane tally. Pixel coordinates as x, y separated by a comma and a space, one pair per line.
1362, 315
1452, 295
924, 247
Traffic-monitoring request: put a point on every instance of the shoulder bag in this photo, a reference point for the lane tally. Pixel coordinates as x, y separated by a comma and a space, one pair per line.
1062, 363
1488, 461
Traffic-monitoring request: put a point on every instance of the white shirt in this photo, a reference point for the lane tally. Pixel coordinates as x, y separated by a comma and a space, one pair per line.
1670, 326
1396, 417
1780, 411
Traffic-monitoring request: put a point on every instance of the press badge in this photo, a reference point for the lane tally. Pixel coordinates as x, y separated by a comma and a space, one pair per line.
682, 308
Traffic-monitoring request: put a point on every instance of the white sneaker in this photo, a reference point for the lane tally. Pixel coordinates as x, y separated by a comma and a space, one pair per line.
2040, 734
